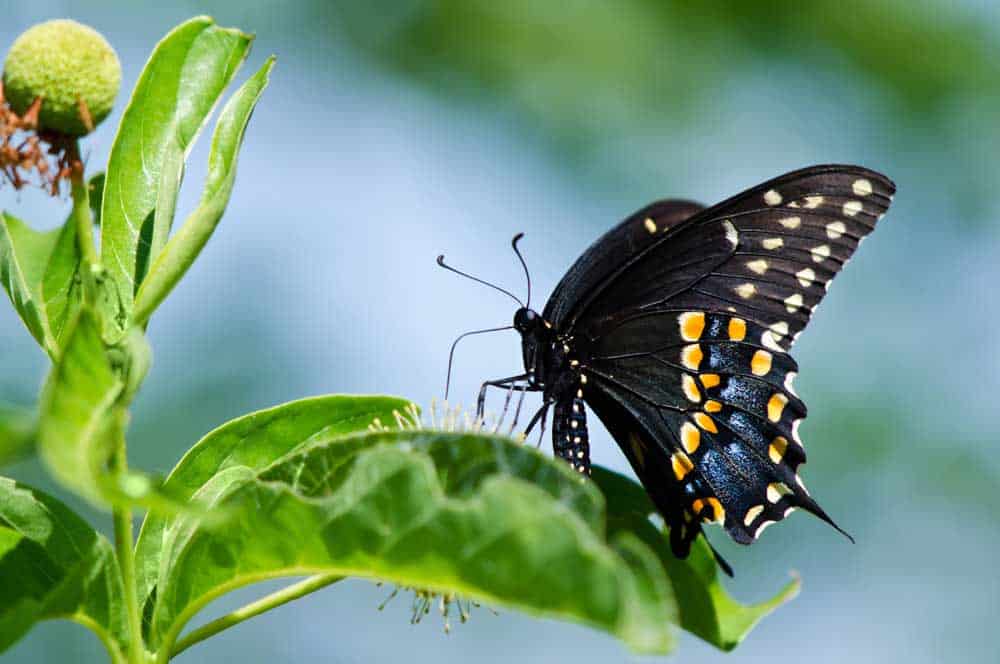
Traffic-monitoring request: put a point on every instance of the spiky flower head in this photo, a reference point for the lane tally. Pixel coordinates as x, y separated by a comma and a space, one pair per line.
71, 68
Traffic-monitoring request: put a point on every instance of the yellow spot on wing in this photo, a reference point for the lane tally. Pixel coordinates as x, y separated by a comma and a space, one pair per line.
759, 266
761, 363
691, 356
862, 187
637, 449
712, 406
650, 225
776, 450
771, 197
791, 222
835, 229
813, 202
690, 388
690, 438
718, 513
737, 329
692, 325
776, 491
681, 465
710, 380
752, 515
705, 422
775, 405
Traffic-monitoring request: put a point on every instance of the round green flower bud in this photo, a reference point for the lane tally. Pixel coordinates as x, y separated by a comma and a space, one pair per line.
64, 63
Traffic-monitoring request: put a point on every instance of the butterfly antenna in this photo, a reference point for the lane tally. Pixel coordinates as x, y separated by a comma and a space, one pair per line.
527, 275
440, 261
451, 353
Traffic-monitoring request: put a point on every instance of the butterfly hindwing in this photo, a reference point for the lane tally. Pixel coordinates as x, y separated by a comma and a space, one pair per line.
686, 329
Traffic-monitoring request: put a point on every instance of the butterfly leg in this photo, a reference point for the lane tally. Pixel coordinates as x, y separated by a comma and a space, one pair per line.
501, 383
569, 434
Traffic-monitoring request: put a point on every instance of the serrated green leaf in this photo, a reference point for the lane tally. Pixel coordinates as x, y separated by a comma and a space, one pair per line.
706, 609
17, 433
233, 454
76, 412
471, 513
177, 90
54, 565
182, 249
24, 255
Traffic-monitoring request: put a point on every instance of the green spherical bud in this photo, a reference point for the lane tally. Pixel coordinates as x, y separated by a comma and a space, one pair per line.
65, 63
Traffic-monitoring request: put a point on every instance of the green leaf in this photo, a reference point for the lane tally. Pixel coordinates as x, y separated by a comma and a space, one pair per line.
470, 513
177, 90
237, 450
54, 565
24, 255
61, 286
706, 609
77, 410
17, 433
182, 249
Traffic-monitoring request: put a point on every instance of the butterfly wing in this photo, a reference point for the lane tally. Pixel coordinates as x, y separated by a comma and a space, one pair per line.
686, 340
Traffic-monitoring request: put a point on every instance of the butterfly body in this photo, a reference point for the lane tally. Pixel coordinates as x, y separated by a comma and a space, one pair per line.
675, 328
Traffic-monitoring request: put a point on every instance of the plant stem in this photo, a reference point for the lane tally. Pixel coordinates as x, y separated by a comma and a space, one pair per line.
124, 548
82, 217
274, 600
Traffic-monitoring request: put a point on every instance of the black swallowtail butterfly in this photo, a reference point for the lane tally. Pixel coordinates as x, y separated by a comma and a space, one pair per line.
675, 327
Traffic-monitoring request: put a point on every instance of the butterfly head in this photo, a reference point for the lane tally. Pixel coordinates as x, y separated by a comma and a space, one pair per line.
527, 321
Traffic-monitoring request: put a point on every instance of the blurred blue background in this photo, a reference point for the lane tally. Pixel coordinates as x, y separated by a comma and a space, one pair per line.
395, 131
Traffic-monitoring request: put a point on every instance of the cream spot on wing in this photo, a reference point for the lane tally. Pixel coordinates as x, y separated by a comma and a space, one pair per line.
772, 243
789, 379
746, 291
780, 328
802, 485
752, 515
776, 491
806, 276
650, 225
795, 432
820, 253
862, 187
851, 208
767, 340
759, 266
772, 197
761, 528
791, 222
813, 202
835, 229
788, 512
793, 302
731, 233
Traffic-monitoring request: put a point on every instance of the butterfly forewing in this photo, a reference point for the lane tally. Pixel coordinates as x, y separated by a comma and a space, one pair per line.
685, 325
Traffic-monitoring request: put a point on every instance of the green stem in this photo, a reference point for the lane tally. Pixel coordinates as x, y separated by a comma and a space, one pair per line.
83, 219
124, 547
274, 600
